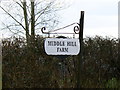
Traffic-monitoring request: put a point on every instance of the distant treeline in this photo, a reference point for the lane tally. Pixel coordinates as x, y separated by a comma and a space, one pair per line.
27, 65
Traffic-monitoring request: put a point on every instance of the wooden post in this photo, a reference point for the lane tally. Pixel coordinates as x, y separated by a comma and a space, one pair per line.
81, 24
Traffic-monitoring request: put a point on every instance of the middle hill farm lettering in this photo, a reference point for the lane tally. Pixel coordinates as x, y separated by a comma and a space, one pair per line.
62, 46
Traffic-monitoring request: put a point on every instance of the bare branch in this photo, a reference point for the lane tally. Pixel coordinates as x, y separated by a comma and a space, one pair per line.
44, 14
42, 22
20, 5
12, 17
41, 12
11, 30
36, 4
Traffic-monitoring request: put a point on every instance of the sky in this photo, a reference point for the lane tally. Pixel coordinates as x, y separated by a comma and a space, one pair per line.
101, 17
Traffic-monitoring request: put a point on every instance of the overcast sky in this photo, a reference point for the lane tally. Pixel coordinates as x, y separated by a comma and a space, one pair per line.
101, 16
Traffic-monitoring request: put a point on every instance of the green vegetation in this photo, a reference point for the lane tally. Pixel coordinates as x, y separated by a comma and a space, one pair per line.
29, 67
113, 83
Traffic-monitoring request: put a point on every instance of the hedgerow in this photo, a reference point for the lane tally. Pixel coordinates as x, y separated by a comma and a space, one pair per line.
27, 65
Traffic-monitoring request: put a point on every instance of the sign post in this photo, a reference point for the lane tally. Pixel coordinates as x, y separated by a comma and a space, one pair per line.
81, 47
65, 46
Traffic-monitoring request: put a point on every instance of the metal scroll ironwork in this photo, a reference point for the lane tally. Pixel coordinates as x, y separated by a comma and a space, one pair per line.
76, 29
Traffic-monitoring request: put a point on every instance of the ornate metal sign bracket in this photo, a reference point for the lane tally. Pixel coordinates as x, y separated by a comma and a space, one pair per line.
76, 29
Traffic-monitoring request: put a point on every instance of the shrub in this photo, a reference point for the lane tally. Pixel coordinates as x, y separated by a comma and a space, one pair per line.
28, 66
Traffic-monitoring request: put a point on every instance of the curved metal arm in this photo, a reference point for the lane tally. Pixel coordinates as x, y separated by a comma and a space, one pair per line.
43, 29
76, 29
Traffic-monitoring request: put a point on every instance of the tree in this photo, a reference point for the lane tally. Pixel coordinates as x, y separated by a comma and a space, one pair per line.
30, 15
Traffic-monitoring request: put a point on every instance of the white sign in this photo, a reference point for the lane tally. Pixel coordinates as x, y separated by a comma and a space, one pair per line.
62, 46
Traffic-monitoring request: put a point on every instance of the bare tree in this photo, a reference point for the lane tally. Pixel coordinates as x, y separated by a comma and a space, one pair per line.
28, 16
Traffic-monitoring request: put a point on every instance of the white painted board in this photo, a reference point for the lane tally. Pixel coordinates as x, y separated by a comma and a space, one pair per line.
62, 46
